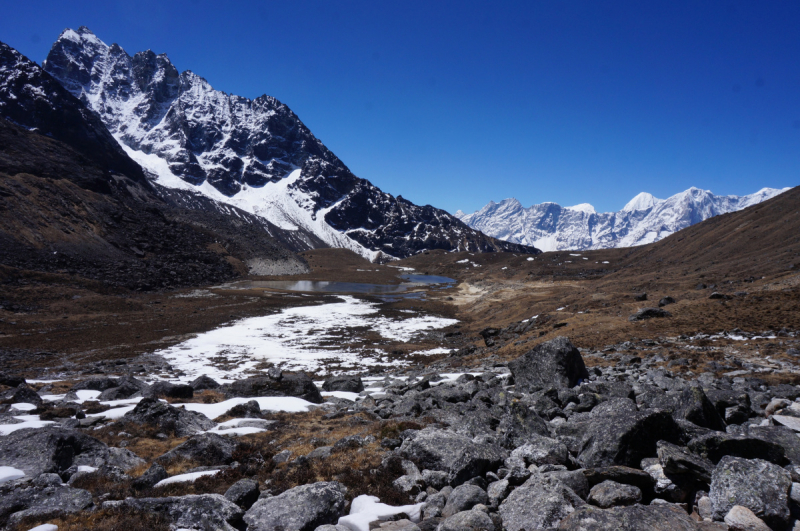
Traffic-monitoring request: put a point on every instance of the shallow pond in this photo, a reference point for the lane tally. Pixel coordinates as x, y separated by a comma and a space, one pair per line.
320, 286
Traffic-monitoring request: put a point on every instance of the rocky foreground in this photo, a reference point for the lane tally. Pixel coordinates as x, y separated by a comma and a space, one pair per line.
539, 443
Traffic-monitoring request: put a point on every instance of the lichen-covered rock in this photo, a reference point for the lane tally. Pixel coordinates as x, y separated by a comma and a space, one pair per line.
55, 450
351, 384
43, 502
302, 508
205, 449
690, 404
610, 493
540, 451
538, 504
168, 418
285, 384
467, 521
243, 493
743, 519
631, 518
442, 450
556, 363
678, 460
756, 484
464, 498
625, 438
714, 446
518, 424
195, 511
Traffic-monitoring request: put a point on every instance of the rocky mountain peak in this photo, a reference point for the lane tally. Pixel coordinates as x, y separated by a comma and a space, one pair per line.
253, 154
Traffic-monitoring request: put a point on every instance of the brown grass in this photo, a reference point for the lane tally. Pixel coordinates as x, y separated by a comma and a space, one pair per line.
104, 520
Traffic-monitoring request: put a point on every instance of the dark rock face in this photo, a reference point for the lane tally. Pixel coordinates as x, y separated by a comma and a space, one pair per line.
235, 143
556, 363
678, 460
205, 449
204, 382
54, 450
519, 424
23, 394
714, 446
195, 511
302, 508
299, 385
690, 404
633, 518
463, 498
153, 475
649, 313
243, 493
167, 418
31, 98
610, 493
625, 439
351, 384
170, 390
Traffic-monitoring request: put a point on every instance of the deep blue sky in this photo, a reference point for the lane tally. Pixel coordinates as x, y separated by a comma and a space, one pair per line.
456, 103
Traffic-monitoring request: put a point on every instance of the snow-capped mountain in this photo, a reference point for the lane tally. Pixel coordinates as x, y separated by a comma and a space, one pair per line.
645, 219
253, 154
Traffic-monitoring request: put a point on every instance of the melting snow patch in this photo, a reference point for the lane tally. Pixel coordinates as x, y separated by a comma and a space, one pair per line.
28, 421
305, 338
289, 404
44, 527
365, 509
8, 473
464, 261
180, 478
559, 309
530, 259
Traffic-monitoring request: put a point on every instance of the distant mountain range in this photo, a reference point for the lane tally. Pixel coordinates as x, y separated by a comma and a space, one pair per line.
645, 219
255, 155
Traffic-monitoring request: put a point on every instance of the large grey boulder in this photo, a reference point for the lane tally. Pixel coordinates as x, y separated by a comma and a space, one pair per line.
442, 450
625, 438
302, 508
780, 436
756, 484
204, 449
742, 519
243, 493
518, 424
464, 498
556, 363
610, 493
539, 451
167, 418
632, 518
195, 511
351, 384
36, 451
22, 394
41, 503
540, 503
123, 458
716, 445
467, 521
284, 384
204, 382
678, 460
690, 404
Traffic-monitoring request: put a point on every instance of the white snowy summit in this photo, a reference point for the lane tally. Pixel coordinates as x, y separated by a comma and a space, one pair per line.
645, 219
253, 154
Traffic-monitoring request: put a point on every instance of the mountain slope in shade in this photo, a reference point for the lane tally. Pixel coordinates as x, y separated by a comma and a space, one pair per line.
253, 154
645, 219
